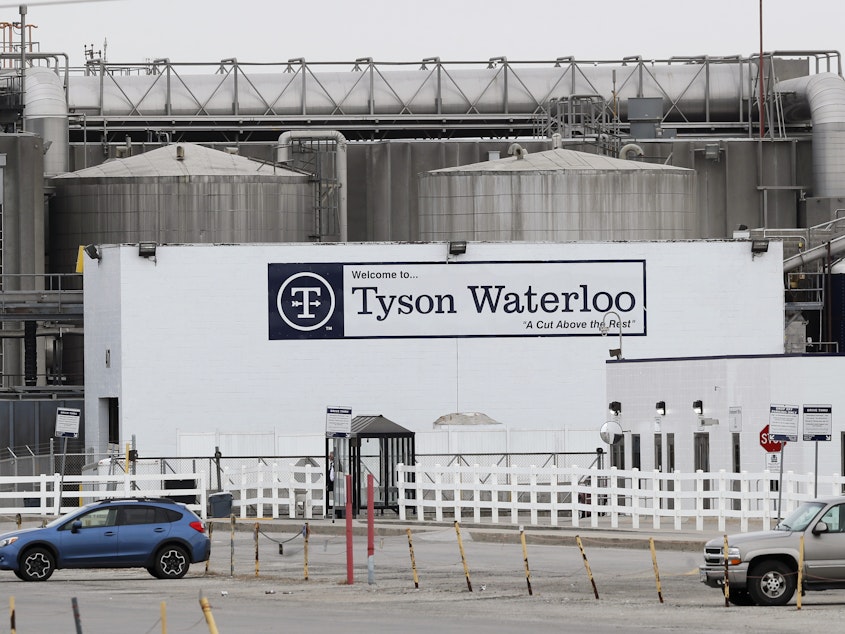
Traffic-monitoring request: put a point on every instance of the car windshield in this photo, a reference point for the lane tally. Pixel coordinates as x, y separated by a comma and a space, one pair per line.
63, 518
801, 517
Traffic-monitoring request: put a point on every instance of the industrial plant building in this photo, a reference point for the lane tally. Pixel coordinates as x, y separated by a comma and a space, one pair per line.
531, 240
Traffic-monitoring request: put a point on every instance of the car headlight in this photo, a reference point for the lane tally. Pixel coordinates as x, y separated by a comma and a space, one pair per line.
7, 541
733, 556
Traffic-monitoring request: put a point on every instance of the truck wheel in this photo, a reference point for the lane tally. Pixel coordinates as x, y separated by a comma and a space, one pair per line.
740, 597
771, 582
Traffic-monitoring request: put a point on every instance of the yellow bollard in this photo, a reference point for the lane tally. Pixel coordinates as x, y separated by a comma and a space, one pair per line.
163, 618
525, 559
12, 613
800, 571
656, 571
413, 561
209, 617
463, 558
587, 565
255, 537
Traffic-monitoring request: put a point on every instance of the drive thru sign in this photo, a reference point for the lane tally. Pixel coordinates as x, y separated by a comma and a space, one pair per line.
767, 443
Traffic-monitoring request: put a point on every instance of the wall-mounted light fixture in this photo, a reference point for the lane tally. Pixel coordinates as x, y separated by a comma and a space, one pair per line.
759, 246
615, 407
698, 407
147, 249
92, 252
660, 406
457, 247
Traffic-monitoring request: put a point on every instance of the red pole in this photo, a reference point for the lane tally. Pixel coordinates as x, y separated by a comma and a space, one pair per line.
371, 547
350, 575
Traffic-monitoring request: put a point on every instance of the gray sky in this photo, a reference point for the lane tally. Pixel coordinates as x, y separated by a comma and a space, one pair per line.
397, 30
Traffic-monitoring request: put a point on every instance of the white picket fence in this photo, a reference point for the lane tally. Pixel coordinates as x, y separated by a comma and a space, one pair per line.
578, 496
56, 494
280, 489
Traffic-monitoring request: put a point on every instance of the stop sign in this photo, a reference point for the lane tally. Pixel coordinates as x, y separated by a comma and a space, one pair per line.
767, 443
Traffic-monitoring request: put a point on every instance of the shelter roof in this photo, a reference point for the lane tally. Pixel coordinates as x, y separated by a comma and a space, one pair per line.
377, 425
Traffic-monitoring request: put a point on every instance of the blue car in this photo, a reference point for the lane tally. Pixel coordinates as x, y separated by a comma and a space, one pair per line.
161, 535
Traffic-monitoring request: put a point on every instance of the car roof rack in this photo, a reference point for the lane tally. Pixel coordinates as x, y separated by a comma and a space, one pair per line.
138, 499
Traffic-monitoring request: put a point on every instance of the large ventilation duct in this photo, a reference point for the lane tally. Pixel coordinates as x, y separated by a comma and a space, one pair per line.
824, 95
46, 114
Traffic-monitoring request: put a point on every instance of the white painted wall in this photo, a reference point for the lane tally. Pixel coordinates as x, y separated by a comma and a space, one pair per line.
752, 383
190, 352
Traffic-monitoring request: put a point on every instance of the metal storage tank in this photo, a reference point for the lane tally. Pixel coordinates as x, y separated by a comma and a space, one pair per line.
174, 194
558, 195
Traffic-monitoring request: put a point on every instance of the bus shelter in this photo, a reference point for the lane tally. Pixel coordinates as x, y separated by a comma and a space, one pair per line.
375, 446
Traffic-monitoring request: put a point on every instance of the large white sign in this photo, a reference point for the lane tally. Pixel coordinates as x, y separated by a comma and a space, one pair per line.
494, 299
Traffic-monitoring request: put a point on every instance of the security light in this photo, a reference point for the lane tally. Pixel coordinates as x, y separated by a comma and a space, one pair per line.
660, 406
458, 247
615, 407
698, 407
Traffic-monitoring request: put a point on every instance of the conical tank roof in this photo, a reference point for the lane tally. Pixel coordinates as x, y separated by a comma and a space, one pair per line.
557, 161
181, 159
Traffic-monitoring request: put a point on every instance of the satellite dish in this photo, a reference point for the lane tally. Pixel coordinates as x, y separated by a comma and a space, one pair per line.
611, 432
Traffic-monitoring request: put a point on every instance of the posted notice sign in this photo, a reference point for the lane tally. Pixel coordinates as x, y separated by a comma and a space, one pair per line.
783, 422
67, 422
818, 422
338, 422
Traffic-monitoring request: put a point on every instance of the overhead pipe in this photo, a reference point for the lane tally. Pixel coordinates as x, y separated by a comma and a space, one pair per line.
828, 249
286, 139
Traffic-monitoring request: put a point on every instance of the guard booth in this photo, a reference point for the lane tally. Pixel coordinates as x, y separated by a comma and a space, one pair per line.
375, 446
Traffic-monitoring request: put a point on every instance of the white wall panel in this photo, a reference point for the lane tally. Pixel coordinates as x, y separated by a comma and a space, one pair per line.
191, 331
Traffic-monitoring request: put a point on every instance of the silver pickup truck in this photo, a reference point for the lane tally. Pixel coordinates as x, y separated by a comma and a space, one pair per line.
763, 566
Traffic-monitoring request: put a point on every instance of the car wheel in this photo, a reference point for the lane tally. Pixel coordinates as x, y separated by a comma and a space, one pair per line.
740, 597
771, 582
37, 564
152, 571
171, 563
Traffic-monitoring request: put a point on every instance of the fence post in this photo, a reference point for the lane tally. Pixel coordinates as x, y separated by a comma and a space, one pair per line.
676, 499
656, 499
635, 500
554, 489
438, 493
532, 487
274, 491
476, 495
743, 502
722, 499
614, 497
699, 500
494, 494
400, 490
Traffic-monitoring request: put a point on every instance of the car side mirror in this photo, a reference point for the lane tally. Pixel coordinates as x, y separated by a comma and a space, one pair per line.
74, 528
820, 528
